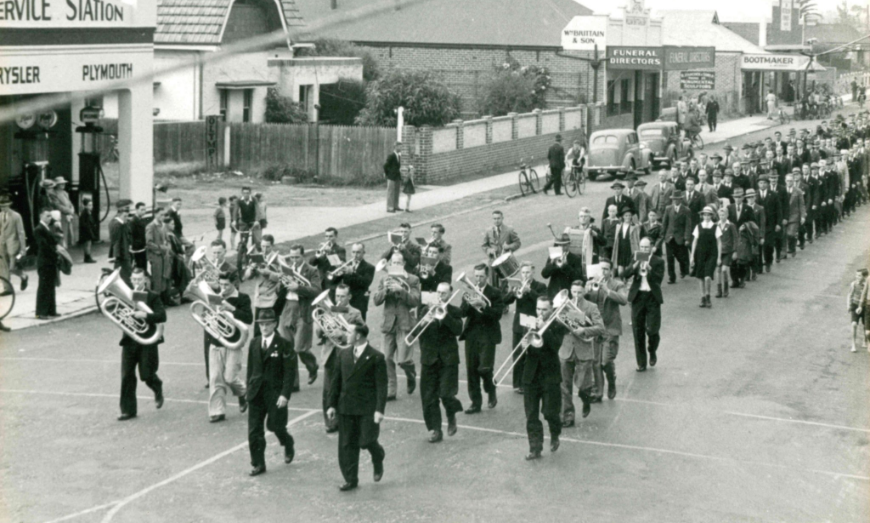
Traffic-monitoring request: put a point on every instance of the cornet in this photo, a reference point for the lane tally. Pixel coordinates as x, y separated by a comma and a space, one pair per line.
119, 305
339, 269
438, 312
321, 250
331, 324
291, 275
221, 325
473, 295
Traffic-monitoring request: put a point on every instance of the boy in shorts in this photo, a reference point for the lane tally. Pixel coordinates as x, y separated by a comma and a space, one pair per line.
856, 303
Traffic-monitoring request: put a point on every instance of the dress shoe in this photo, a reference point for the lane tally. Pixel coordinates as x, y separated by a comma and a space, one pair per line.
256, 471
671, 282
391, 398
587, 408
4, 328
652, 359
703, 302
347, 486
767, 268
88, 259
55, 315
554, 443
493, 399
472, 410
641, 369
215, 419
312, 376
125, 417
435, 436
567, 424
243, 404
611, 388
719, 291
518, 391
289, 453
535, 454
595, 399
451, 425
24, 281
158, 399
412, 385
379, 471
331, 430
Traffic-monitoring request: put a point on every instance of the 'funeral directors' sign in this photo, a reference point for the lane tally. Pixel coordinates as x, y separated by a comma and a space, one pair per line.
685, 58
645, 58
583, 33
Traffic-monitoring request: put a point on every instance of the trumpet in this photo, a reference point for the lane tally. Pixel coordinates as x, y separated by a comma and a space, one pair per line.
643, 269
521, 287
321, 250
331, 324
210, 272
119, 305
331, 275
438, 312
473, 295
221, 325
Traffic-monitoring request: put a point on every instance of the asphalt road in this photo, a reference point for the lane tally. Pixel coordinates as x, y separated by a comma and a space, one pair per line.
757, 411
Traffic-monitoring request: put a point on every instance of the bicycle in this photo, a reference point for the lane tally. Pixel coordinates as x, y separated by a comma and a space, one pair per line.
695, 140
242, 251
528, 179
7, 297
572, 183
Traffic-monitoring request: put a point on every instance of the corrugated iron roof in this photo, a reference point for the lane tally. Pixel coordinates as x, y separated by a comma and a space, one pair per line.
201, 21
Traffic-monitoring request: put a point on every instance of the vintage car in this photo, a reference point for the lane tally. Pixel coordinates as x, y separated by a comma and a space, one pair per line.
616, 152
663, 143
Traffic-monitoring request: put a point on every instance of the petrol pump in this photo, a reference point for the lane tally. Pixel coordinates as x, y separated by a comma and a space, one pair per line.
90, 169
34, 132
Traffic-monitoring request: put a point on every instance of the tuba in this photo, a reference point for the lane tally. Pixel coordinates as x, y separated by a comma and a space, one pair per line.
438, 312
221, 325
332, 324
210, 273
119, 305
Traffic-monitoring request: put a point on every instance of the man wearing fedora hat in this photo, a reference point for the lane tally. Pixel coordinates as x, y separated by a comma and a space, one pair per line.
621, 201
60, 200
120, 239
13, 242
677, 224
563, 269
271, 370
761, 221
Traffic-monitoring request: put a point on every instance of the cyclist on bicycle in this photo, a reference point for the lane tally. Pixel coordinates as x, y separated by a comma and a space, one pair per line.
575, 157
693, 123
245, 220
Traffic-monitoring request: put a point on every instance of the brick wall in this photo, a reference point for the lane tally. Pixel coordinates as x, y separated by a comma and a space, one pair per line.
466, 70
727, 86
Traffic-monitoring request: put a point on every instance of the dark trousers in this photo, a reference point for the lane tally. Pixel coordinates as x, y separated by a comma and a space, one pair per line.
769, 247
46, 304
822, 220
205, 348
778, 243
555, 180
329, 367
439, 382
126, 266
520, 366
712, 120
476, 356
355, 433
147, 359
264, 408
646, 320
543, 399
681, 253
140, 260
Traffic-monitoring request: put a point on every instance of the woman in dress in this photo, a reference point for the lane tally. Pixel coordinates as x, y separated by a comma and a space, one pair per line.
705, 253
625, 242
408, 188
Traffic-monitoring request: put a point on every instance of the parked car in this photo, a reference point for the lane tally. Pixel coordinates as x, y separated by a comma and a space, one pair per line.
617, 152
662, 140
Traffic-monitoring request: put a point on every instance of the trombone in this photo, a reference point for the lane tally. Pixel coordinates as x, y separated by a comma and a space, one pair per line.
438, 312
473, 295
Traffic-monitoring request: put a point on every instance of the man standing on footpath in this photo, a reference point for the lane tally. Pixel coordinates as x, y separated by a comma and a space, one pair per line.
393, 174
556, 157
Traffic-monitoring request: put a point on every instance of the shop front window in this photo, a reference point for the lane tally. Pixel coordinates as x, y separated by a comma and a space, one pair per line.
611, 98
624, 86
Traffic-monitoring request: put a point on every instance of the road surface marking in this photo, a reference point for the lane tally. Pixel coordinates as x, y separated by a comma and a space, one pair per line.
83, 512
802, 422
77, 360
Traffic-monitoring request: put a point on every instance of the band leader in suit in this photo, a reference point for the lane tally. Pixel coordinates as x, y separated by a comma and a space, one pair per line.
329, 352
497, 240
46, 266
645, 297
271, 370
146, 357
439, 366
526, 296
677, 225
358, 394
358, 276
321, 259
482, 333
563, 270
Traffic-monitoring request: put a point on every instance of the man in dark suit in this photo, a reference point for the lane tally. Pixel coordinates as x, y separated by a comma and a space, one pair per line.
526, 295
556, 157
358, 277
46, 266
137, 224
173, 212
433, 270
770, 202
542, 377
321, 261
393, 174
645, 297
439, 362
135, 354
695, 202
621, 201
778, 189
329, 349
120, 240
677, 225
726, 190
482, 333
563, 270
271, 370
359, 395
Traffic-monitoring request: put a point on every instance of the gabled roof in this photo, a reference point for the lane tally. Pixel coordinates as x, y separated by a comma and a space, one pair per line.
694, 28
833, 33
202, 21
502, 23
746, 30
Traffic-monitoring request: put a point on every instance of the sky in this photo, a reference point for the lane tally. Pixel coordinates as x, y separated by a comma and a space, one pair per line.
729, 10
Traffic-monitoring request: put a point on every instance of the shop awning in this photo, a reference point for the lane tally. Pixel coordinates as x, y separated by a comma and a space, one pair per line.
774, 62
244, 84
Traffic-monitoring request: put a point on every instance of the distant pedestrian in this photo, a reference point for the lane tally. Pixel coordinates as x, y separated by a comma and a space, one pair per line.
88, 228
556, 157
682, 110
856, 303
712, 113
46, 266
12, 244
234, 206
771, 104
173, 213
393, 174
261, 211
408, 188
220, 218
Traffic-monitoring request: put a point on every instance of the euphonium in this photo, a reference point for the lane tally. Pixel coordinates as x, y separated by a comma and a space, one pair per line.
119, 307
438, 312
221, 325
332, 324
292, 274
210, 272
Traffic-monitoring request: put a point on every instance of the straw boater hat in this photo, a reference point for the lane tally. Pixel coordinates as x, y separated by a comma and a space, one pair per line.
750, 193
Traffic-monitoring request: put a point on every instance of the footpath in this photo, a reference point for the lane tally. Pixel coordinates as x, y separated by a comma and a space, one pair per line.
75, 296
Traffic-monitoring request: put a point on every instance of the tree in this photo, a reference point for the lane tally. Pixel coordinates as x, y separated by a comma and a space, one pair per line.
426, 100
282, 109
342, 102
331, 47
515, 88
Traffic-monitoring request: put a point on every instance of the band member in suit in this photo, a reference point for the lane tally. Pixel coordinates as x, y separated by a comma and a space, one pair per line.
585, 240
329, 352
358, 394
677, 225
13, 243
660, 194
645, 296
770, 201
268, 294
482, 333
797, 213
436, 231
578, 357
621, 201
145, 357
321, 258
439, 366
410, 251
120, 240
296, 322
159, 253
271, 370
563, 270
608, 294
225, 364
398, 300
393, 174
497, 240
541, 378
526, 295
46, 266
358, 277
433, 270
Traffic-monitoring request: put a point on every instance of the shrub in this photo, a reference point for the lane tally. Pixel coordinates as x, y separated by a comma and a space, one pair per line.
341, 103
282, 109
515, 88
426, 100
